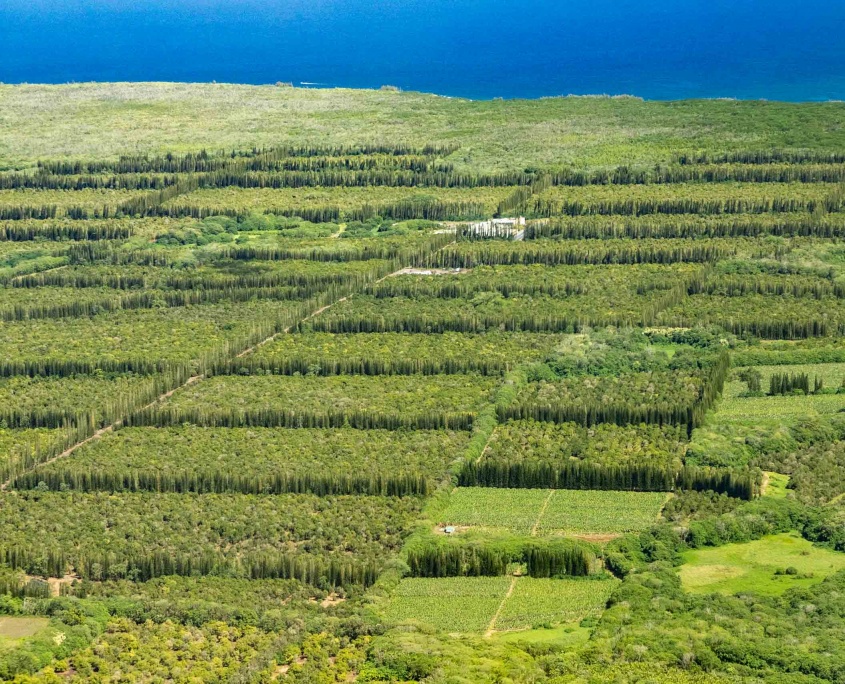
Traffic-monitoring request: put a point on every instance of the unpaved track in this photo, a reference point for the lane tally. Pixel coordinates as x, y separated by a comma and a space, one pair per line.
190, 381
491, 628
542, 513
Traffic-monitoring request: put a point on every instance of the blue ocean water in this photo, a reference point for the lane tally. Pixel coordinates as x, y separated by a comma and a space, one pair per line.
656, 49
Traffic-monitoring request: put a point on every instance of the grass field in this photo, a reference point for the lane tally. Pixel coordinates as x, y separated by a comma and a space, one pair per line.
553, 512
751, 567
776, 485
832, 374
15, 629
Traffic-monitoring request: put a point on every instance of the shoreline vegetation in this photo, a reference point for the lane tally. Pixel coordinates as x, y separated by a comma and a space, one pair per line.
106, 120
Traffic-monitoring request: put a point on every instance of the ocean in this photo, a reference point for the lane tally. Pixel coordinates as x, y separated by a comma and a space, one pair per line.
479, 49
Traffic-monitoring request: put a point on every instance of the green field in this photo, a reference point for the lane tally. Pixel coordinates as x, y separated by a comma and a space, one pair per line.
15, 629
45, 122
754, 566
536, 602
469, 604
451, 604
553, 512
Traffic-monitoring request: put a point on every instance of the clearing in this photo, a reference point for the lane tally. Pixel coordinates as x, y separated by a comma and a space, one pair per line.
752, 567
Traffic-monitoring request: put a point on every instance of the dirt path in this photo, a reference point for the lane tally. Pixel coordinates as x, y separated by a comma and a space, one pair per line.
46, 270
166, 395
486, 446
542, 513
190, 381
491, 628
313, 314
107, 429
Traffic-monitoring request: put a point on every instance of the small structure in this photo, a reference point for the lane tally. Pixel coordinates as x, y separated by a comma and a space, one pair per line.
508, 228
449, 530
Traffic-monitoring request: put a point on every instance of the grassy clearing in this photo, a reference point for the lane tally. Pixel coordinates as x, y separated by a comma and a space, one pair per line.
14, 629
776, 484
566, 512
565, 636
751, 567
832, 374
450, 604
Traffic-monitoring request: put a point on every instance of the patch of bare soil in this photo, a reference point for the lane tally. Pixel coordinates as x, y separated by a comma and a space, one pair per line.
457, 529
597, 538
430, 271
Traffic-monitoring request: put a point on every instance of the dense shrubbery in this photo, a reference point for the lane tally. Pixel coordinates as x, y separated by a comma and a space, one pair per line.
319, 540
255, 460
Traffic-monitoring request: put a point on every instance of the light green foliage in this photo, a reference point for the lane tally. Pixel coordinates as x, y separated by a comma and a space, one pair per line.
588, 512
776, 485
832, 374
513, 509
450, 604
493, 350
759, 566
675, 254
394, 394
595, 194
744, 428
178, 334
570, 512
14, 629
342, 197
634, 389
45, 121
15, 444
177, 653
88, 199
536, 602
606, 443
69, 396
